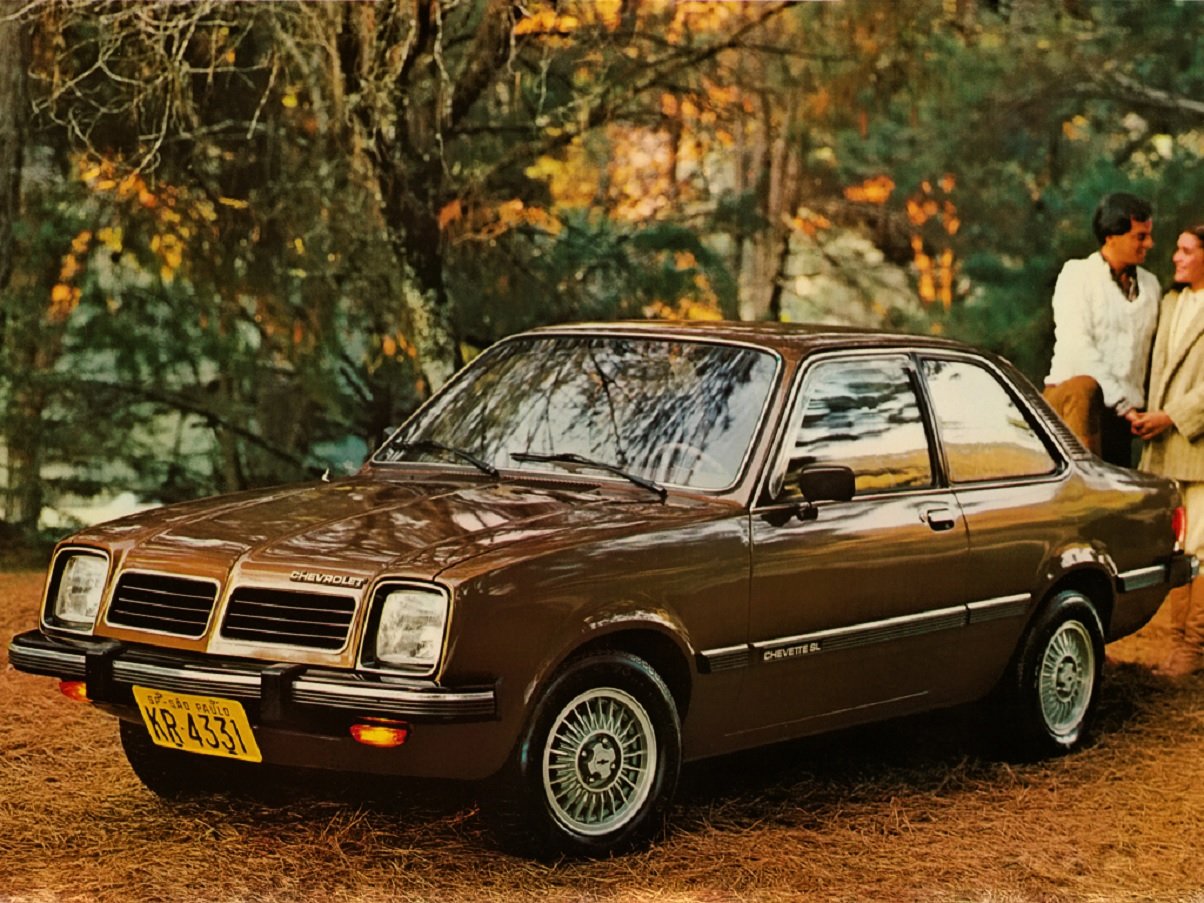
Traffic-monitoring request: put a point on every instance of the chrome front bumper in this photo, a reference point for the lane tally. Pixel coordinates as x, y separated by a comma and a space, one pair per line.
110, 668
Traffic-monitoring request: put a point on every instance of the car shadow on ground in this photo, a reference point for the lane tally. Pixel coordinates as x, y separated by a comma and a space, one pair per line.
929, 754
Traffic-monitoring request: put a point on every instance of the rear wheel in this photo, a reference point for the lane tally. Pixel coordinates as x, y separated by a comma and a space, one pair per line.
595, 771
178, 775
1052, 687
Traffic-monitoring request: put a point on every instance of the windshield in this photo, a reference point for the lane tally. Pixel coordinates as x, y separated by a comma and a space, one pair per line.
675, 412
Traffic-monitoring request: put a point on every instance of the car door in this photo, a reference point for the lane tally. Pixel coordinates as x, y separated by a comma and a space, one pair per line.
1010, 486
854, 604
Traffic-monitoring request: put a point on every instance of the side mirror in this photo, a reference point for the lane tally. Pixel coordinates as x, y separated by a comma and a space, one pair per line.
824, 483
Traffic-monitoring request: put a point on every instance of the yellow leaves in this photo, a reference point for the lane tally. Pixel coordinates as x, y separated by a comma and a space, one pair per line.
572, 178
874, 190
608, 13
451, 212
63, 300
515, 213
684, 309
392, 346
69, 268
170, 250
1076, 129
641, 177
694, 16
934, 220
81, 242
89, 170
64, 295
112, 237
557, 22
808, 222
699, 304
547, 21
483, 223
176, 217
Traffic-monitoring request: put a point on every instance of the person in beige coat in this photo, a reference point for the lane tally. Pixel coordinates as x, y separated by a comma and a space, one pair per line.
1173, 427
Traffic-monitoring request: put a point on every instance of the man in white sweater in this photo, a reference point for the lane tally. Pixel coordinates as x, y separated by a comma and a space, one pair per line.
1105, 308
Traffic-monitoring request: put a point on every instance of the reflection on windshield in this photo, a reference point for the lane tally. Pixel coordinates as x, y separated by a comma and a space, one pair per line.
675, 412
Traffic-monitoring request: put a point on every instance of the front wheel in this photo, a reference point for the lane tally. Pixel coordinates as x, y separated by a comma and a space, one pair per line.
1053, 684
595, 771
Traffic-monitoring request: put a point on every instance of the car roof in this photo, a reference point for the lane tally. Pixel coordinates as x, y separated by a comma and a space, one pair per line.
792, 339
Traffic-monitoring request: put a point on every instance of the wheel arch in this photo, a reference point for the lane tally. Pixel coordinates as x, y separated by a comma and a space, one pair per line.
654, 646
1094, 583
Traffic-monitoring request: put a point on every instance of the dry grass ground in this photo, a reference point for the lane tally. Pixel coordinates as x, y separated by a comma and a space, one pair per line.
912, 811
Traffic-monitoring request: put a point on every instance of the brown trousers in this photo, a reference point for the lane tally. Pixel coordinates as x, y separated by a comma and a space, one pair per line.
1186, 654
1079, 401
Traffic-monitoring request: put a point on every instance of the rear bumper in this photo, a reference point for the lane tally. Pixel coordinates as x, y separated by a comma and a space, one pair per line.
1178, 571
1184, 569
1139, 593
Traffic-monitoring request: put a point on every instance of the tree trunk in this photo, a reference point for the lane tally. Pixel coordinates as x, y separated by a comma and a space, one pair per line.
23, 410
23, 421
417, 242
14, 116
774, 171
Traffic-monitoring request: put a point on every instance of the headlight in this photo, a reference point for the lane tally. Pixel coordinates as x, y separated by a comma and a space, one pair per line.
76, 587
409, 628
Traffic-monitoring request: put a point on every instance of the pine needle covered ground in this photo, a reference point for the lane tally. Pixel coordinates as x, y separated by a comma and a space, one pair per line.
915, 810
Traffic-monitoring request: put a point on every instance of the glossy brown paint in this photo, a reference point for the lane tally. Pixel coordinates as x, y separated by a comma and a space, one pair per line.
765, 625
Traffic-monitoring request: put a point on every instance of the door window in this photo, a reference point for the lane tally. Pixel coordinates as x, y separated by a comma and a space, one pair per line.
985, 434
862, 413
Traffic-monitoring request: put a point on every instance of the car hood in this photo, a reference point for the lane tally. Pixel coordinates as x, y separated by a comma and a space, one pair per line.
353, 530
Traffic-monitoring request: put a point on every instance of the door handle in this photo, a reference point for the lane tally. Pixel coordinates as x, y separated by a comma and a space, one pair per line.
940, 518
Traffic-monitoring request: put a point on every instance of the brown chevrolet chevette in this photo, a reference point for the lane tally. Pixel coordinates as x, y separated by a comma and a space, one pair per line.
602, 550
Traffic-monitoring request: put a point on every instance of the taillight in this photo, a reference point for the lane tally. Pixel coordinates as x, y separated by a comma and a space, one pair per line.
1179, 526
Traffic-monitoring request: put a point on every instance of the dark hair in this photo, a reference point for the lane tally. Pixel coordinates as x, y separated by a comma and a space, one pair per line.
1116, 212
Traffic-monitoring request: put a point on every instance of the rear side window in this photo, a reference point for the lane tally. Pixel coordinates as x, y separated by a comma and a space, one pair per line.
862, 413
985, 434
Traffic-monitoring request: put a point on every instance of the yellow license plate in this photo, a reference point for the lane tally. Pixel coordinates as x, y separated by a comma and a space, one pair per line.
199, 724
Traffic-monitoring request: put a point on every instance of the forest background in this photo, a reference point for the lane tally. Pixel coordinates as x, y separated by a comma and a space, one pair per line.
239, 242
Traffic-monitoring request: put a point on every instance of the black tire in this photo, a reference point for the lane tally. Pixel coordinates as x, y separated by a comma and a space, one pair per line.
178, 775
595, 770
1052, 687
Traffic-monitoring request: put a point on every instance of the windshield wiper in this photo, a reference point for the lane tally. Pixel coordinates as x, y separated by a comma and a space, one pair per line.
572, 458
433, 445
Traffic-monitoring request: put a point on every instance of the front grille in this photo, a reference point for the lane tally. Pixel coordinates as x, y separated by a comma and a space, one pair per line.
312, 620
175, 605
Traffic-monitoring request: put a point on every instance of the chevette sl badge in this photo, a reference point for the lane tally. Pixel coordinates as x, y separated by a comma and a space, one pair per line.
327, 579
773, 655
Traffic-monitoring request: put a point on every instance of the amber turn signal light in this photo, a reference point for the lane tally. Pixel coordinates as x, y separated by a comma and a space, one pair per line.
74, 689
381, 733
